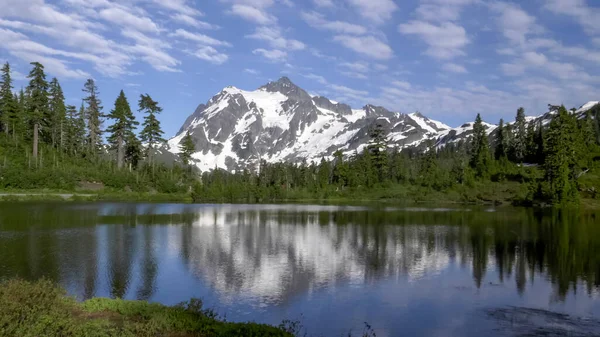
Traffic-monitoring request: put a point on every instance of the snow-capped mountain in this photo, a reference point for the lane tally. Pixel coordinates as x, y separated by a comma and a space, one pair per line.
282, 122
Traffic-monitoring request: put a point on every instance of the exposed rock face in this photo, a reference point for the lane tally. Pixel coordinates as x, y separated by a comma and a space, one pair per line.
280, 121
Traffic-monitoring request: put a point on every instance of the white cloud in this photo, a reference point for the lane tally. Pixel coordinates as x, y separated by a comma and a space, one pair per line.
366, 45
402, 84
324, 3
252, 14
514, 22
211, 55
180, 6
585, 15
445, 41
378, 11
53, 65
200, 38
454, 68
274, 37
124, 18
252, 71
596, 41
361, 67
354, 75
318, 21
380, 67
193, 22
437, 12
317, 78
274, 55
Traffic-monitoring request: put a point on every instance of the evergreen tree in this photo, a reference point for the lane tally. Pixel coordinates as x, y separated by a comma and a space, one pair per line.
480, 152
501, 139
561, 163
70, 131
378, 150
37, 104
588, 130
57, 112
124, 124
80, 130
539, 143
187, 148
530, 143
151, 133
519, 144
94, 116
324, 173
340, 170
133, 151
8, 105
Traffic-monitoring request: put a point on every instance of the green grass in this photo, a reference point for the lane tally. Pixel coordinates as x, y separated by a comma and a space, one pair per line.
31, 309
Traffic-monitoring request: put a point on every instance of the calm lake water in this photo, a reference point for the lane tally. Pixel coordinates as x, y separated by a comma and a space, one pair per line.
405, 271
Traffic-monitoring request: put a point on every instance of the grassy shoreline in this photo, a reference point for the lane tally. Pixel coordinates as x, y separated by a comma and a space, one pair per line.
42, 308
497, 194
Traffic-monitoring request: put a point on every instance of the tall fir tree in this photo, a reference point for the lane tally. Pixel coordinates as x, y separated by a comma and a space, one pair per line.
561, 162
37, 102
187, 148
70, 145
530, 143
133, 151
151, 133
58, 113
480, 151
519, 143
93, 113
378, 149
8, 105
501, 141
124, 125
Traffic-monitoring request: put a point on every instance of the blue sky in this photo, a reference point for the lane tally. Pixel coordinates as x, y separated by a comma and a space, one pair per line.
449, 59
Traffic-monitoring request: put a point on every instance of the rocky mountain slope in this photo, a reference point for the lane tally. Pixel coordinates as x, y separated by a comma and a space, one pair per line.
282, 122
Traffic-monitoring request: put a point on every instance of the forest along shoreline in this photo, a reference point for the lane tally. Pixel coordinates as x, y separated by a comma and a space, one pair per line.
48, 149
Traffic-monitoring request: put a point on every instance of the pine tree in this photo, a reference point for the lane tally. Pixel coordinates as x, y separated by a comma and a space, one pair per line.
501, 139
340, 170
94, 116
519, 145
378, 151
561, 163
133, 151
37, 104
57, 112
187, 148
480, 152
151, 133
530, 143
324, 173
124, 124
8, 105
80, 130
70, 144
539, 143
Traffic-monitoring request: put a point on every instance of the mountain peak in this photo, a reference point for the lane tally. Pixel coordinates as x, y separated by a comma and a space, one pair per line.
285, 86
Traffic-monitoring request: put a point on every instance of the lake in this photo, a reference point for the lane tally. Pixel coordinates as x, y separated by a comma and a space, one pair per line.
406, 271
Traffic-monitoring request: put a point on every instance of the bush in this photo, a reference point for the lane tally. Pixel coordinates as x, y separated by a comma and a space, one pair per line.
40, 308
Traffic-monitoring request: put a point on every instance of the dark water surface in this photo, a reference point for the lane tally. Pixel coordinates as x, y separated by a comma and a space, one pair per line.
405, 271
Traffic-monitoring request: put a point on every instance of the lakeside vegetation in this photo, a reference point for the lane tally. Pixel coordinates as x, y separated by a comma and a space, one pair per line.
41, 308
528, 164
46, 145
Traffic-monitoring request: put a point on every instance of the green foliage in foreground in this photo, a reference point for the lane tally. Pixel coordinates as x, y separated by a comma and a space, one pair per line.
40, 308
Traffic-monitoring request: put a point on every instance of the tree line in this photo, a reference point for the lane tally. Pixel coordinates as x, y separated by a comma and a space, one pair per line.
38, 117
546, 161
